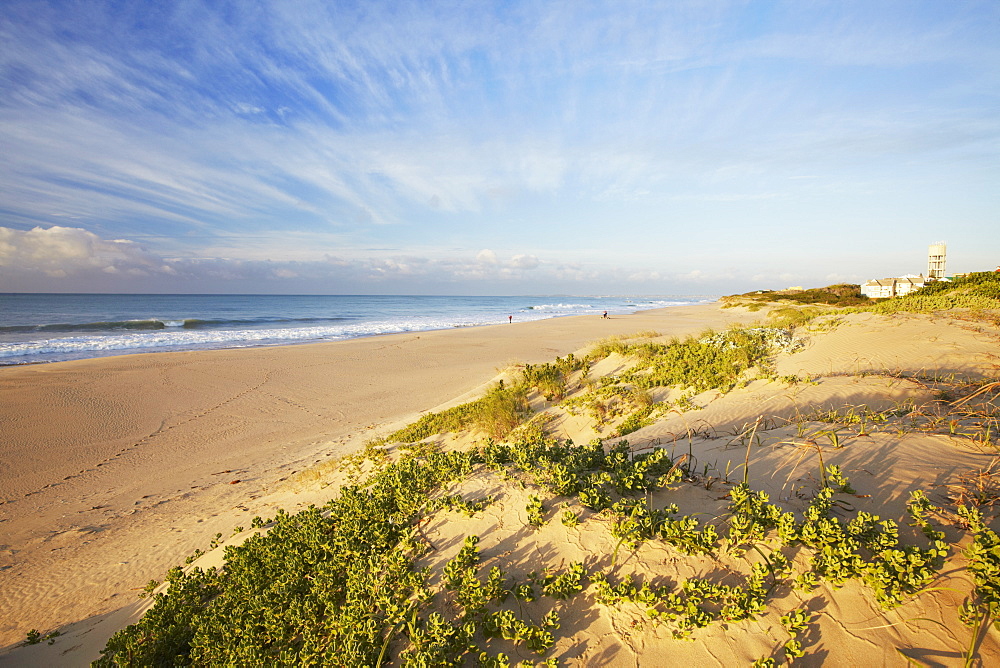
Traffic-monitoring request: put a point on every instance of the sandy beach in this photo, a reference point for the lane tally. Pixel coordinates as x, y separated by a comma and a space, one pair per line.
113, 470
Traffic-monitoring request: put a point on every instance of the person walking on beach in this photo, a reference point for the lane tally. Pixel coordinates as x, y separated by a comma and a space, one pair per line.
605, 316
510, 319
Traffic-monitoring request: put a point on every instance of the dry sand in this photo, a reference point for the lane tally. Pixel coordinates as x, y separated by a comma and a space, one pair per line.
114, 470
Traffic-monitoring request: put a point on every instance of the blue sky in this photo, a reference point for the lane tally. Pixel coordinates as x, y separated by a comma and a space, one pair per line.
681, 147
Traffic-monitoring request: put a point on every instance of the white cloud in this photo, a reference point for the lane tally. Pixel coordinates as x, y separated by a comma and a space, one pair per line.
63, 251
645, 276
249, 109
524, 262
486, 256
74, 256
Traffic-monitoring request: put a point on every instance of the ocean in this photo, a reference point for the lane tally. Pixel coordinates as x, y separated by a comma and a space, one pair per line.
55, 327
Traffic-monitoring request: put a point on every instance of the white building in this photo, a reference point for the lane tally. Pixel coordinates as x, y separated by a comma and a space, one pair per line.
879, 289
892, 287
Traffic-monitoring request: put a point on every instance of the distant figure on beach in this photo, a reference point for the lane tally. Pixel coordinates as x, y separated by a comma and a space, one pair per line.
605, 316
510, 319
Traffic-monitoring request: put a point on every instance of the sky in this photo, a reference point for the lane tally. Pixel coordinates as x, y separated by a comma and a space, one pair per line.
686, 147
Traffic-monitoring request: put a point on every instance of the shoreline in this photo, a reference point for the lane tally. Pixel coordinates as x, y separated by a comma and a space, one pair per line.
303, 342
92, 342
101, 452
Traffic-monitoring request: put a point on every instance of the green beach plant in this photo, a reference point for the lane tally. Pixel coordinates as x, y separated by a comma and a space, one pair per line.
841, 294
347, 584
536, 511
313, 587
979, 291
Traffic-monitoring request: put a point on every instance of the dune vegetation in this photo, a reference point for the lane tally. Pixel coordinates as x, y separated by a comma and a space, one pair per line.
841, 294
359, 581
976, 292
362, 581
976, 295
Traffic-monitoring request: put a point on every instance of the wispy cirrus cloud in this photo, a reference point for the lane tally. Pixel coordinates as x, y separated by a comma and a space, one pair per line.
597, 131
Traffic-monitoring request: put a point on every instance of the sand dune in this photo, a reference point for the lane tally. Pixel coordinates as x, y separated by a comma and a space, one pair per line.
114, 470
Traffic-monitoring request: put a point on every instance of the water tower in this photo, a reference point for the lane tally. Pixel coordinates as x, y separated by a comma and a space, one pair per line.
935, 261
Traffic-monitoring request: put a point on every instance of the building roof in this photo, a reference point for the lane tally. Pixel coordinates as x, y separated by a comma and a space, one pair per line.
889, 282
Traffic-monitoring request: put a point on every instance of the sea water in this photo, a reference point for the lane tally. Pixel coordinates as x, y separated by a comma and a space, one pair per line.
54, 327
